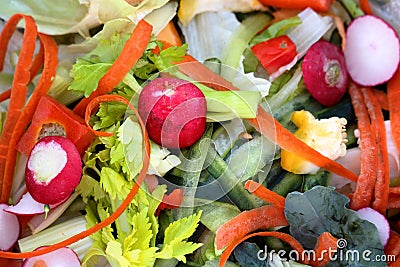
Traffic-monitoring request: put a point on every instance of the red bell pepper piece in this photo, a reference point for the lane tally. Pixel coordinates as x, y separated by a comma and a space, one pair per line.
57, 117
275, 53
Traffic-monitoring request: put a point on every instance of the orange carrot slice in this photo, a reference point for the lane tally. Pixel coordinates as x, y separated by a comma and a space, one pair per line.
381, 189
265, 194
130, 54
139, 180
326, 243
246, 222
366, 182
170, 35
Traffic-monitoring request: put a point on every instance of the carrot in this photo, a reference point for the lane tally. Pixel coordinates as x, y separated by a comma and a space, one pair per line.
123, 205
265, 194
394, 201
317, 5
392, 248
382, 98
393, 94
130, 54
20, 82
366, 182
381, 189
282, 236
46, 80
365, 6
395, 190
325, 243
246, 222
264, 122
170, 35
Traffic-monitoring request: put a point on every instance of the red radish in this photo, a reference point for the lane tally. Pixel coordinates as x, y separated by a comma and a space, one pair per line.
379, 220
28, 206
53, 169
325, 73
62, 257
174, 111
9, 228
372, 50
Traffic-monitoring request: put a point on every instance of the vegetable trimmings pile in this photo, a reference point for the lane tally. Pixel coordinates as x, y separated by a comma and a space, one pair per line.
199, 133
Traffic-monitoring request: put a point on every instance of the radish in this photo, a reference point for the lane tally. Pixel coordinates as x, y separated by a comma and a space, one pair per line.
325, 74
9, 228
62, 257
28, 206
372, 50
379, 220
53, 170
174, 112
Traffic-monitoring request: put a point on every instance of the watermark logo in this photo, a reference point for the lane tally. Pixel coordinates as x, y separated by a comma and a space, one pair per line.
342, 253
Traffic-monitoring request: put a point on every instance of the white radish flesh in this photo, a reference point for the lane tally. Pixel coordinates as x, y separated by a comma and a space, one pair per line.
63, 257
28, 206
378, 220
9, 228
372, 51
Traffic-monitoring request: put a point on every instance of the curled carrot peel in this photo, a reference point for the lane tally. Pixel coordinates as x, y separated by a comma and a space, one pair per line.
392, 247
265, 194
382, 98
381, 189
326, 243
249, 221
393, 94
282, 236
264, 122
363, 193
130, 54
46, 80
20, 82
139, 180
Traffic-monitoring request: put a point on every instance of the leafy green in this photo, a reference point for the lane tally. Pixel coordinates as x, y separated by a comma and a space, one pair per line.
321, 209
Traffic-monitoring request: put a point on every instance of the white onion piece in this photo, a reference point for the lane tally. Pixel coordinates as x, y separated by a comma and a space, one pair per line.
9, 229
63, 257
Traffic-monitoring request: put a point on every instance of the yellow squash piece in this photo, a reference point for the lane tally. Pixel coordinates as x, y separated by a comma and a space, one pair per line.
327, 136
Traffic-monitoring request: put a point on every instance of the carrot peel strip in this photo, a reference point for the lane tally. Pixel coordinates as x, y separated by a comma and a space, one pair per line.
366, 182
265, 194
50, 54
325, 243
248, 221
20, 82
130, 54
381, 189
139, 180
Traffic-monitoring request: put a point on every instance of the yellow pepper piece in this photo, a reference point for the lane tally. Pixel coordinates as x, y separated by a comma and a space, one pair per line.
327, 136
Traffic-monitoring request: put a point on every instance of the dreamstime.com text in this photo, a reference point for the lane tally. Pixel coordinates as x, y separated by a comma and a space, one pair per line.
339, 254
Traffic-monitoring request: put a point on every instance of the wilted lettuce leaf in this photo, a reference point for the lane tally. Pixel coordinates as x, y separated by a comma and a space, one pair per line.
321, 209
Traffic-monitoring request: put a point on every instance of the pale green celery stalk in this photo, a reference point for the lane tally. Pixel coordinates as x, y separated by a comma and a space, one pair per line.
18, 187
229, 104
286, 91
242, 104
122, 224
239, 41
58, 233
59, 90
132, 83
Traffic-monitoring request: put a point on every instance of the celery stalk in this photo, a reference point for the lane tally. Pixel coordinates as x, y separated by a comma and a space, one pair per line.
59, 233
239, 41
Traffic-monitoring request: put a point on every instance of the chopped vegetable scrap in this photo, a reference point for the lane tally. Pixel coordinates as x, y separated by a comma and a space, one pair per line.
326, 136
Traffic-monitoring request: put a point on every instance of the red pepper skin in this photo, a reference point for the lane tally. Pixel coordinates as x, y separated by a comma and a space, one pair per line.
275, 53
48, 111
